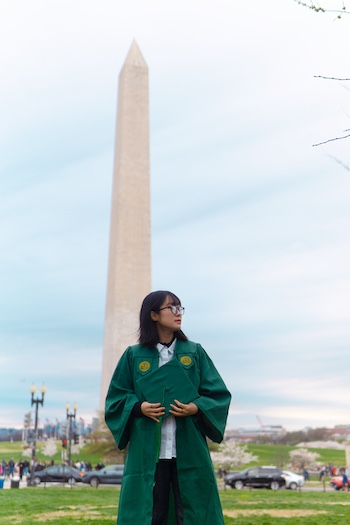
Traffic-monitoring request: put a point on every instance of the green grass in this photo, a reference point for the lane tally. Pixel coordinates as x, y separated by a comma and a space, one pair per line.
279, 455
268, 454
263, 507
85, 505
59, 506
14, 450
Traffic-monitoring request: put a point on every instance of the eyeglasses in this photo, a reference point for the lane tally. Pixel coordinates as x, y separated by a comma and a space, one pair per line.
175, 309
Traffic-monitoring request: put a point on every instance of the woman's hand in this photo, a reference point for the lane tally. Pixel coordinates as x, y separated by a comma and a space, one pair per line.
183, 410
152, 410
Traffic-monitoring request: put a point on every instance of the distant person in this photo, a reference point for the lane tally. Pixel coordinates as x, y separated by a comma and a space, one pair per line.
5, 468
345, 481
34, 465
168, 451
21, 468
306, 474
11, 468
322, 475
25, 467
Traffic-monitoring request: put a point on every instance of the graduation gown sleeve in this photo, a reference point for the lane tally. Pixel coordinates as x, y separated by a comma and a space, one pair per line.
120, 401
214, 400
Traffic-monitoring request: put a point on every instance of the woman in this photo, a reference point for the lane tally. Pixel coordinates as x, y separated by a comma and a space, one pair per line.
168, 477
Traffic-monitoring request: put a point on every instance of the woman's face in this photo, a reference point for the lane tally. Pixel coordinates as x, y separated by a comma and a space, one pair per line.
166, 320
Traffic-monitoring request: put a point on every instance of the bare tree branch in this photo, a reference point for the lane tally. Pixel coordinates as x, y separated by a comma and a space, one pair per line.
331, 78
345, 131
319, 9
331, 140
310, 4
339, 161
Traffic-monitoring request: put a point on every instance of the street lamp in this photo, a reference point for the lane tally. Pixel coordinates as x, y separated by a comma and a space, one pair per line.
70, 417
35, 402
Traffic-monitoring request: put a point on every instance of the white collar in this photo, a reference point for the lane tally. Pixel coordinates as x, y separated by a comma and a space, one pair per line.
170, 348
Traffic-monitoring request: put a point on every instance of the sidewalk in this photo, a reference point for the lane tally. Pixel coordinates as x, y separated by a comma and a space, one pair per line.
7, 483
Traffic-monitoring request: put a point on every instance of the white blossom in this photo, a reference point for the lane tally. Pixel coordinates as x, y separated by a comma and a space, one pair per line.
322, 444
77, 448
303, 458
27, 452
49, 448
230, 454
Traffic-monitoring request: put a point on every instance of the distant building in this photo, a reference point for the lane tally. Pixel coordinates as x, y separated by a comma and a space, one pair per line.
339, 431
94, 424
10, 434
247, 435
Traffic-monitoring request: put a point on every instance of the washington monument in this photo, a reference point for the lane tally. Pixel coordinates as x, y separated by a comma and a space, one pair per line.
129, 262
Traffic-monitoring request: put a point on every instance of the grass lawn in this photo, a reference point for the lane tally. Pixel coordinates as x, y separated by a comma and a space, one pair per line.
279, 455
88, 506
14, 450
268, 454
59, 506
265, 507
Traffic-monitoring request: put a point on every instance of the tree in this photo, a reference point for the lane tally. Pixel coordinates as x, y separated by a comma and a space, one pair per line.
76, 447
49, 448
27, 451
302, 458
329, 6
102, 442
338, 7
230, 454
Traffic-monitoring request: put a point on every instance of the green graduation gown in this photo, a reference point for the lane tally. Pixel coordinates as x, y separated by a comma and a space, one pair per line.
197, 482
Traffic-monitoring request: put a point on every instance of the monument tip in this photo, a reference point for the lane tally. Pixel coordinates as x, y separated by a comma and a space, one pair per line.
134, 56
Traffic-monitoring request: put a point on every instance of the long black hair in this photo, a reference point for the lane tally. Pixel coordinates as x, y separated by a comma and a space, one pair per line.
148, 334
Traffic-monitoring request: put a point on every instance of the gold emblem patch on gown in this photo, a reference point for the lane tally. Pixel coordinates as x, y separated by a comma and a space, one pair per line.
144, 366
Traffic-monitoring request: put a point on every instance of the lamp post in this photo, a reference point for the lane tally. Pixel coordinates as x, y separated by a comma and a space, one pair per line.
70, 417
35, 402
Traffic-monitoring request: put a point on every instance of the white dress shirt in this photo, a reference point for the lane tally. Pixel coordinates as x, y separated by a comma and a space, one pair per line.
168, 439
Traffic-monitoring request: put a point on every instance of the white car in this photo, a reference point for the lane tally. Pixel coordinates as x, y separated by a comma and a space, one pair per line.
293, 481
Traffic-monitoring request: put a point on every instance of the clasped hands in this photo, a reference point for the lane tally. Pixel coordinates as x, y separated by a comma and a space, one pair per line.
155, 410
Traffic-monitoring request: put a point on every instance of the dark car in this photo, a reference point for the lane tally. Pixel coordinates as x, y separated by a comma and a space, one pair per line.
257, 477
60, 474
112, 474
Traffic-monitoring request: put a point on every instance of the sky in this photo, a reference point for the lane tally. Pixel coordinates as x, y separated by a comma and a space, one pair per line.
250, 221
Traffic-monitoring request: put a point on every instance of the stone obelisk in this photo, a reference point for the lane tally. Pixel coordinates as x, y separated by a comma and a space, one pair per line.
129, 263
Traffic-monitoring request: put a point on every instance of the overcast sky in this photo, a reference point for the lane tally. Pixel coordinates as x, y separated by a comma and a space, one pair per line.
250, 222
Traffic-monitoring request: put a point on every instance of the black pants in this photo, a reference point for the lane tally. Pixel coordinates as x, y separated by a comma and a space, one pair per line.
166, 476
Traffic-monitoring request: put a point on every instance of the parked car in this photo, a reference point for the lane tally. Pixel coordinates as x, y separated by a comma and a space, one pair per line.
258, 477
293, 480
112, 474
60, 474
337, 482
